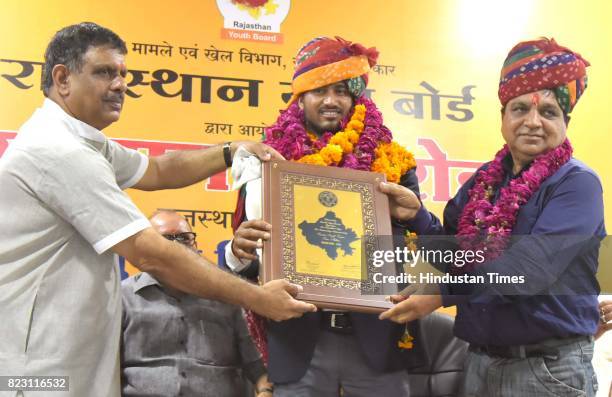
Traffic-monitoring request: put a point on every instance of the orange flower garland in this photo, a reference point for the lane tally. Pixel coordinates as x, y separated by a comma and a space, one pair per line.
341, 143
406, 341
391, 158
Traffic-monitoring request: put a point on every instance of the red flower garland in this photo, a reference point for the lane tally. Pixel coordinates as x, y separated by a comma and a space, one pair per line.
488, 227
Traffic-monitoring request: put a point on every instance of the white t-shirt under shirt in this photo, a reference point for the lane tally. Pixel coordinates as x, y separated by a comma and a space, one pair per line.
62, 208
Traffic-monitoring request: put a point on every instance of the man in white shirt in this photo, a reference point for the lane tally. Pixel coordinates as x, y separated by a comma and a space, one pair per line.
65, 216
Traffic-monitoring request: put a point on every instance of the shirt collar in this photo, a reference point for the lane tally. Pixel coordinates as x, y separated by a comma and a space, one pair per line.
144, 280
84, 130
508, 164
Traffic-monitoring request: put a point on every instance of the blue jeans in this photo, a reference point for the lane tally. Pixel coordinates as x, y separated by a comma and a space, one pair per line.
568, 373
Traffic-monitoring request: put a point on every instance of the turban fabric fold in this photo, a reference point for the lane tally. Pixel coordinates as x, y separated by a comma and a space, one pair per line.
543, 64
323, 61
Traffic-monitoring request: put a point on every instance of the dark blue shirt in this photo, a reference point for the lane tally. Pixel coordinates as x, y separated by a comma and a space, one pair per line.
561, 226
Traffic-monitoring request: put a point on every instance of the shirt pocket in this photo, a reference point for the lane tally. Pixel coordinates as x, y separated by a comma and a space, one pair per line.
213, 343
153, 331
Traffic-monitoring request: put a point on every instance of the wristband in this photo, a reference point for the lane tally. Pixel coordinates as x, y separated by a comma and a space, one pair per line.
227, 154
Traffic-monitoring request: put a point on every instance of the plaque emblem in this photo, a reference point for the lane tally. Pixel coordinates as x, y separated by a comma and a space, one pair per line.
328, 199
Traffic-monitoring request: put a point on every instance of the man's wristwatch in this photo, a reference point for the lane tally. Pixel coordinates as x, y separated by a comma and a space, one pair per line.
227, 154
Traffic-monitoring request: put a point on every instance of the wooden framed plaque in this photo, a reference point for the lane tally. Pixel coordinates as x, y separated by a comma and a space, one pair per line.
327, 223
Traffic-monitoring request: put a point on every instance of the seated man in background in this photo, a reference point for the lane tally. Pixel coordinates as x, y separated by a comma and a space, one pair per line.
178, 344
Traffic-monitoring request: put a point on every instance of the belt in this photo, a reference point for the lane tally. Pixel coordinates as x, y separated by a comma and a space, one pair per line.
337, 321
545, 348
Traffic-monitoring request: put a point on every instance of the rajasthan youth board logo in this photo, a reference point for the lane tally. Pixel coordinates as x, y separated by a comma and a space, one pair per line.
328, 199
253, 20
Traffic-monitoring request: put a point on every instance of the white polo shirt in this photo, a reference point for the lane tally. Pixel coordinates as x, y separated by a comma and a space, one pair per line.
61, 208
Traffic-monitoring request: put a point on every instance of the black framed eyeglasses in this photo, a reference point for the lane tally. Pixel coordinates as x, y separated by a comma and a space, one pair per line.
187, 238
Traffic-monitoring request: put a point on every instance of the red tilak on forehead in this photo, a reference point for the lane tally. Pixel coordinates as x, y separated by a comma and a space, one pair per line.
535, 98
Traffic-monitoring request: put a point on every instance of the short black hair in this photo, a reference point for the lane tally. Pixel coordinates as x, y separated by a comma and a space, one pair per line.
69, 45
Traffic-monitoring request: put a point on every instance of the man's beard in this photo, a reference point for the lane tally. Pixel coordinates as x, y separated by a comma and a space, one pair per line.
310, 127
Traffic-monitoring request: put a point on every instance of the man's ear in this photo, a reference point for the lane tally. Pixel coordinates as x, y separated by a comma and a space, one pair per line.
61, 79
301, 102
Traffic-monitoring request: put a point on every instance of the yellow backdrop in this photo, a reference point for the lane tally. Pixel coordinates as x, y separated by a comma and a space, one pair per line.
204, 72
